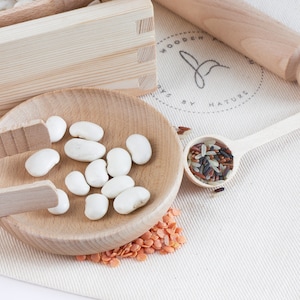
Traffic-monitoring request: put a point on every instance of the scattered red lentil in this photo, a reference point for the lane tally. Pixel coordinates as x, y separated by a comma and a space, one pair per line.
164, 237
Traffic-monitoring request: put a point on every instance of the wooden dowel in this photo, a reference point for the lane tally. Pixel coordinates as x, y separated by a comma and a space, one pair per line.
247, 30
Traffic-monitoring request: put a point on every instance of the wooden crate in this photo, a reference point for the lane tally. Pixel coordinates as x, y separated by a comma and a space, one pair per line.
111, 45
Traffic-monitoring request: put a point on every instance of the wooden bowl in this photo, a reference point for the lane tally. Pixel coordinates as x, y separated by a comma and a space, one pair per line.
120, 115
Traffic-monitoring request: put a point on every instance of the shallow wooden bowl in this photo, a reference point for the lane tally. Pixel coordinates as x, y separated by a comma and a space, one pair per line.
120, 115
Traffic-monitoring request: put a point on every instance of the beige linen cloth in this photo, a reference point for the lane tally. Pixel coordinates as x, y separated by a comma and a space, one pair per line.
243, 243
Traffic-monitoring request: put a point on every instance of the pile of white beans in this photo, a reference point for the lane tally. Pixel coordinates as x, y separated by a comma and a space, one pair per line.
110, 175
6, 4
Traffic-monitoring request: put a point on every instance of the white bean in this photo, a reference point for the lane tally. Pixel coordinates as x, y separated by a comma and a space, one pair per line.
118, 162
131, 199
84, 150
96, 206
96, 173
41, 162
77, 184
139, 148
63, 203
113, 187
57, 127
87, 130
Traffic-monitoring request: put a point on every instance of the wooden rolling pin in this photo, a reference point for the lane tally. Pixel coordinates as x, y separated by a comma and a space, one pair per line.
38, 9
247, 30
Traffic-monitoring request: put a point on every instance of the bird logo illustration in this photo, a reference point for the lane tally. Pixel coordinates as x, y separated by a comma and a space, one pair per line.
200, 70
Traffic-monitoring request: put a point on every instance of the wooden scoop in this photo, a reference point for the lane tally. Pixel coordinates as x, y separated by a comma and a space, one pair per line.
33, 135
38, 9
247, 30
30, 136
27, 197
242, 146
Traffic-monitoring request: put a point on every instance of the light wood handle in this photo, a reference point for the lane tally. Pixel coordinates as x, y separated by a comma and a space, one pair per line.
27, 197
247, 30
268, 134
33, 135
38, 9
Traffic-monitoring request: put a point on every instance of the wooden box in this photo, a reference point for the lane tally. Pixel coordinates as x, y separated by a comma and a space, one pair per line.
110, 45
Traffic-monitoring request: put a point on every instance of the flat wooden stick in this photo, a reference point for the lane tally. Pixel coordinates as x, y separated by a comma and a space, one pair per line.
27, 197
33, 135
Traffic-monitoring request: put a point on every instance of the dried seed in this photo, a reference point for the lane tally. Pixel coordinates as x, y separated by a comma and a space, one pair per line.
148, 243
181, 239
135, 248
149, 250
208, 161
141, 257
139, 241
146, 235
157, 245
114, 262
160, 232
81, 257
221, 189
168, 249
163, 238
95, 257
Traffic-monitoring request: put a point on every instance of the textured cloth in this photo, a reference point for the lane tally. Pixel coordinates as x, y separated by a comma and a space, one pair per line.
243, 243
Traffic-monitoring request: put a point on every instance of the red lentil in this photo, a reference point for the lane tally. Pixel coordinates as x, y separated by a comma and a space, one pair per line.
164, 237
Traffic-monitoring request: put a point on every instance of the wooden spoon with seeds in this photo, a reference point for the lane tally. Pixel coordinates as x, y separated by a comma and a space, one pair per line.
238, 148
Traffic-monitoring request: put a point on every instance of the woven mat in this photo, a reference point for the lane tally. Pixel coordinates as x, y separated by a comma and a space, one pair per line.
243, 243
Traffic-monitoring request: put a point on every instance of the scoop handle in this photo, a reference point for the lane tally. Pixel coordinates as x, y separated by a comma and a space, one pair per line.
267, 135
247, 30
33, 135
27, 197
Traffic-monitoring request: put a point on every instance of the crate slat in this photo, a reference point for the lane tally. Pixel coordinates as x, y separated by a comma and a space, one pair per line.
110, 45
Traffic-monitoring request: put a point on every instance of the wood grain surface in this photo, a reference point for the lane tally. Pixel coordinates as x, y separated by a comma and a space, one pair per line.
120, 115
27, 197
32, 135
110, 45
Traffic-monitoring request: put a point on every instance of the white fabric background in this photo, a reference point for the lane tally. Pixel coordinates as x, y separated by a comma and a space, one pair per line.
243, 243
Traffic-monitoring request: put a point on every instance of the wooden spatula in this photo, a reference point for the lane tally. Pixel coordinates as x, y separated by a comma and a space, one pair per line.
33, 135
38, 9
28, 197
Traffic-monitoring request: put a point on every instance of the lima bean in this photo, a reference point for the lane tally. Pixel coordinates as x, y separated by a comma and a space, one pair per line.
41, 162
84, 150
118, 162
96, 206
131, 199
76, 183
140, 148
